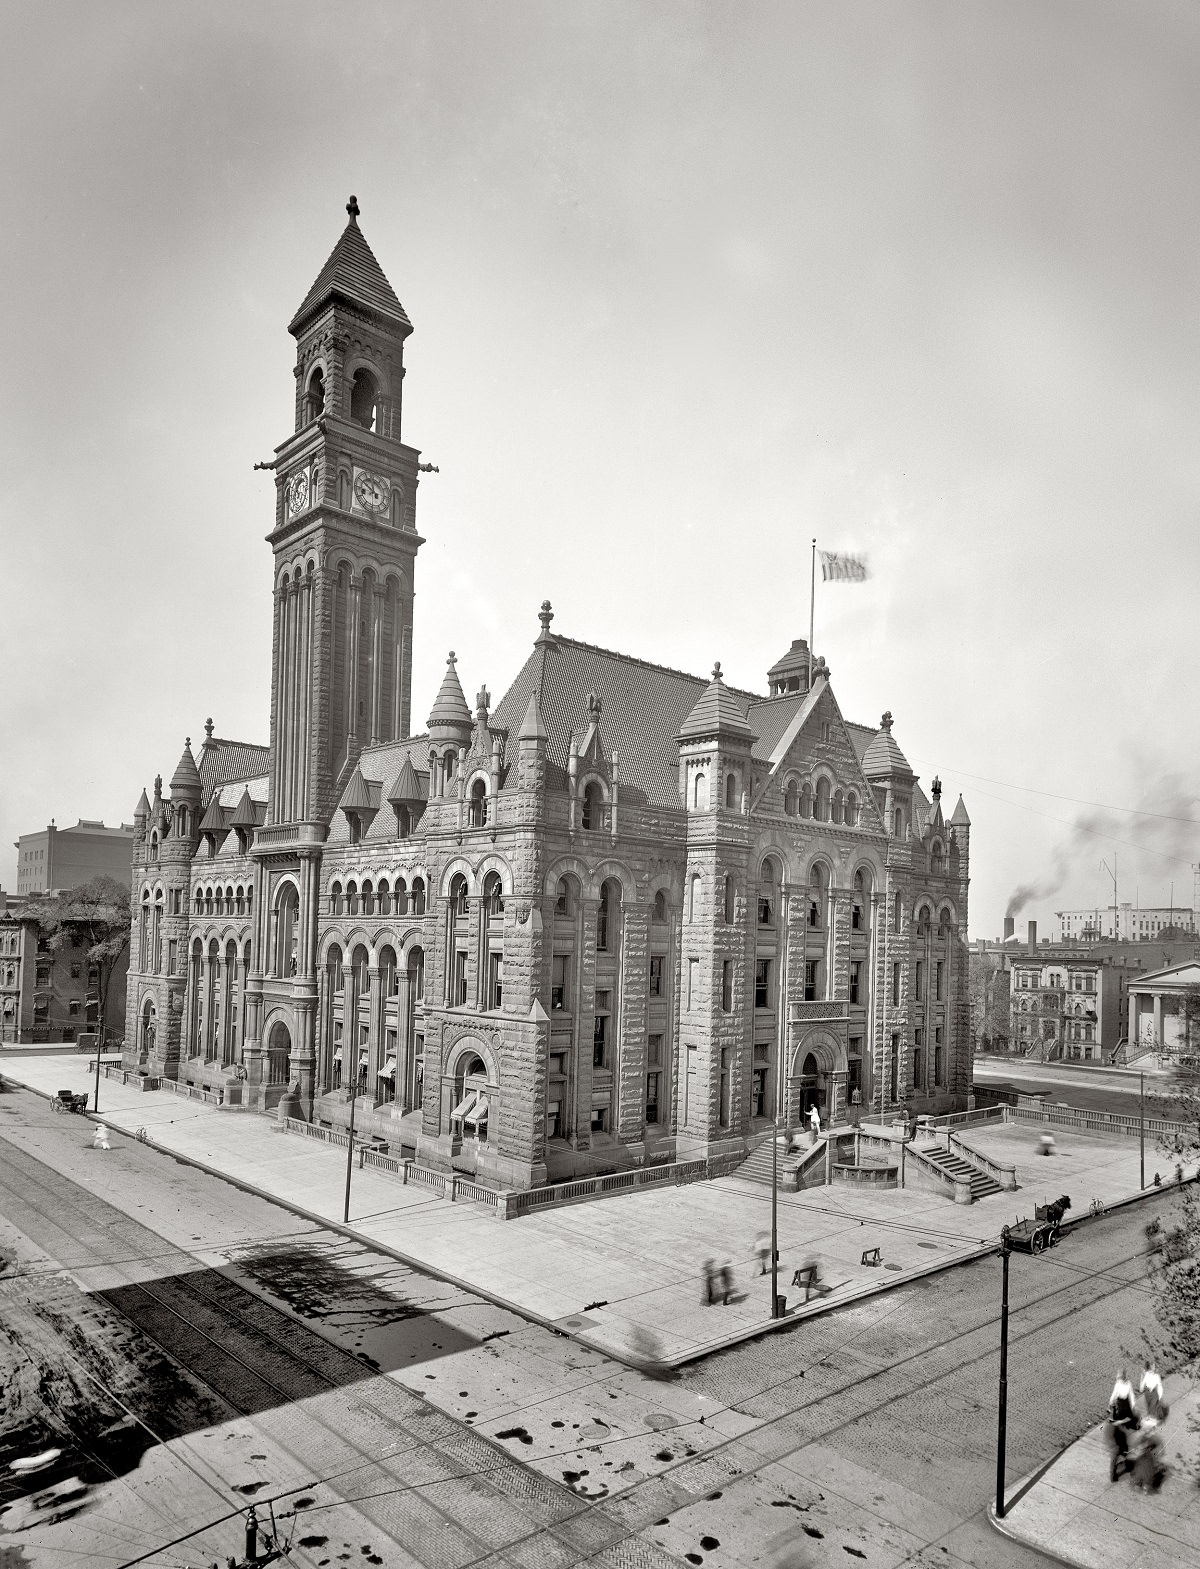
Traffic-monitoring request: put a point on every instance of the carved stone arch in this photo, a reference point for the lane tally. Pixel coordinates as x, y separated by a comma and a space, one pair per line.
360, 358
159, 888
385, 937
952, 910
279, 1013
373, 565
610, 867
593, 775
471, 1044
356, 935
340, 557
227, 933
496, 863
414, 937
564, 866
777, 843
330, 940
479, 772
456, 864
824, 1045
821, 855
400, 579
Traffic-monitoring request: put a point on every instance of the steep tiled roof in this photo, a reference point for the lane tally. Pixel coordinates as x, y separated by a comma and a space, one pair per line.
769, 719
450, 706
861, 736
142, 809
406, 786
214, 820
231, 794
883, 756
185, 776
356, 797
378, 765
246, 813
960, 818
353, 274
223, 761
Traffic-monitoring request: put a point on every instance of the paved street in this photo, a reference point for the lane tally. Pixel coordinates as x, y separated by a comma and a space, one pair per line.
424, 1425
1088, 1089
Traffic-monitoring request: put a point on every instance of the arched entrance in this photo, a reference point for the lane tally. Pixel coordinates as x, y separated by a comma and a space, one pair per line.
469, 1118
816, 1068
148, 1028
811, 1089
279, 1050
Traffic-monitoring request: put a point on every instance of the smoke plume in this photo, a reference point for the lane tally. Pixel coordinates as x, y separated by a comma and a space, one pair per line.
1151, 849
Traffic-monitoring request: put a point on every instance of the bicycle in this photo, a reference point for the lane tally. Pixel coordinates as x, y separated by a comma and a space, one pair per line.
141, 1136
1097, 1208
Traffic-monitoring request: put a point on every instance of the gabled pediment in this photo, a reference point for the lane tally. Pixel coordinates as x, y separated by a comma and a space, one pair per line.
818, 742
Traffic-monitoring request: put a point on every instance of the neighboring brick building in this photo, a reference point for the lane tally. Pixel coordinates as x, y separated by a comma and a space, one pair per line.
50, 994
59, 858
628, 913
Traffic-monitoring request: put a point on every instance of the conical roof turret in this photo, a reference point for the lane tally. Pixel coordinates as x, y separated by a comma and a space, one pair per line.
185, 781
406, 787
532, 726
352, 275
960, 818
142, 810
883, 757
717, 712
450, 711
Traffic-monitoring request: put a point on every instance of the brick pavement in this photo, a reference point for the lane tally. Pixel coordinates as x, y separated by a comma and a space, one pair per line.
622, 1274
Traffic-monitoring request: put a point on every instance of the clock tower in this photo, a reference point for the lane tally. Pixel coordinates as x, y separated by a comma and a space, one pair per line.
345, 539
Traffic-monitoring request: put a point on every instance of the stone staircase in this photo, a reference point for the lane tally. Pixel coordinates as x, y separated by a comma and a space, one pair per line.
982, 1186
757, 1166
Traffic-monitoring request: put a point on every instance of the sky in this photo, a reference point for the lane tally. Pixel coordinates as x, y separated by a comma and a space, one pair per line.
691, 284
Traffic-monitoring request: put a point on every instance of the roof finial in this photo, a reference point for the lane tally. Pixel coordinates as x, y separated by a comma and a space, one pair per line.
936, 787
886, 722
451, 657
716, 675
208, 729
187, 740
352, 209
545, 616
593, 703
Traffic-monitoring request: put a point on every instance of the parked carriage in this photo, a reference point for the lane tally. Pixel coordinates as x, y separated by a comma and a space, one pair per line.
1044, 1230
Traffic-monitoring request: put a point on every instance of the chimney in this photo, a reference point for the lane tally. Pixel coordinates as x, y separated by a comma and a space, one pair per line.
1010, 926
1033, 936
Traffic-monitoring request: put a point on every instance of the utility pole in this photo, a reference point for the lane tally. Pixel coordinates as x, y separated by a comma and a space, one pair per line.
1003, 1416
350, 1146
99, 1048
1112, 872
775, 1217
1142, 1127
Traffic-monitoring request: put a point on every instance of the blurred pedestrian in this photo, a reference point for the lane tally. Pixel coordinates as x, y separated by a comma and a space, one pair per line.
710, 1283
1151, 1391
1147, 1451
1122, 1424
762, 1246
814, 1122
1046, 1144
725, 1282
100, 1142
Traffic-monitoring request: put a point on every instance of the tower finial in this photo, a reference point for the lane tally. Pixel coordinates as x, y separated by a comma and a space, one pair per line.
353, 209
886, 722
451, 658
208, 729
545, 616
716, 675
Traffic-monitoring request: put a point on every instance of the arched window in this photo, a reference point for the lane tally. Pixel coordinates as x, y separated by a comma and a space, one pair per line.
565, 897
944, 924
240, 900
851, 809
858, 905
416, 972
400, 895
229, 901
700, 792
767, 892
368, 899
449, 764
144, 933
593, 806
383, 897
418, 896
287, 908
478, 810
458, 894
154, 845
924, 923
731, 792
351, 898
249, 901
208, 901
660, 907
806, 800
218, 902
937, 858
607, 916
838, 808
897, 822
818, 882
729, 899
363, 397
493, 894
821, 805
403, 822
791, 798
314, 401
389, 976
181, 822
693, 895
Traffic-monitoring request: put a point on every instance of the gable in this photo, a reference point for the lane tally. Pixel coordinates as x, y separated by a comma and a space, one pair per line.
811, 752
1176, 977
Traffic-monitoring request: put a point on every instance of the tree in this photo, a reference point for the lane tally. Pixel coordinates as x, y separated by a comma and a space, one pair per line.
988, 984
96, 914
1176, 1239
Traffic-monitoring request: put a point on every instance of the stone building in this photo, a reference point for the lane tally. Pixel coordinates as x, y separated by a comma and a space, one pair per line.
623, 914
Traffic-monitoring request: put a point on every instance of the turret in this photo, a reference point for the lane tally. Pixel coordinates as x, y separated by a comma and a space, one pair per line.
185, 797
714, 749
449, 730
892, 780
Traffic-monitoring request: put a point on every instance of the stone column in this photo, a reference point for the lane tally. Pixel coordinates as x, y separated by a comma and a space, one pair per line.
376, 663
352, 658
1158, 1024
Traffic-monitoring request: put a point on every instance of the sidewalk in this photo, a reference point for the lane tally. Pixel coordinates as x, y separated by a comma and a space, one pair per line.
1073, 1513
622, 1274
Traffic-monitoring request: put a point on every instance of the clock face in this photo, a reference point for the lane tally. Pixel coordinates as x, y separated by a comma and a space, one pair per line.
297, 493
372, 492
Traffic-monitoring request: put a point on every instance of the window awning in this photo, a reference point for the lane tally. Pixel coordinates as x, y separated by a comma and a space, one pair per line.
479, 1112
364, 1057
337, 1056
388, 1071
466, 1106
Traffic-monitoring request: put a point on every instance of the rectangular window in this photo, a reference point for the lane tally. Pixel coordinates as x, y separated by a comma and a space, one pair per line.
764, 912
75, 972
495, 980
693, 986
600, 1028
917, 1066
940, 981
653, 1080
939, 1065
811, 978
554, 1119
73, 1007
173, 956
723, 1097
856, 917
458, 998
599, 1119
43, 975
558, 983
762, 983
894, 1065
654, 1049
727, 986
895, 986
558, 1064
856, 981
656, 975
919, 980
688, 1088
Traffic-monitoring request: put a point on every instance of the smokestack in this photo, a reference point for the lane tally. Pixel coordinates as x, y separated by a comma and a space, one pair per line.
1033, 936
1010, 926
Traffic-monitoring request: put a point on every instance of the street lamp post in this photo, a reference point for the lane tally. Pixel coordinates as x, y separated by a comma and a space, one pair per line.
1142, 1127
1003, 1412
350, 1147
775, 1218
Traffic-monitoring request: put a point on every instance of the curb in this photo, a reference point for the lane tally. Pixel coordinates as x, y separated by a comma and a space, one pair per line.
817, 1309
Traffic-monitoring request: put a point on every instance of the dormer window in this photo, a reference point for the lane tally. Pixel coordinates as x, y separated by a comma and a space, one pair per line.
479, 805
593, 807
363, 398
314, 405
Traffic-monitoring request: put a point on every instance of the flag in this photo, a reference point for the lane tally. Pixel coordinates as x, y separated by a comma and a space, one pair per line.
840, 567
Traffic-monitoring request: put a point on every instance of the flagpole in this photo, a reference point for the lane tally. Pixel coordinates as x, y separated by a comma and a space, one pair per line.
812, 611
